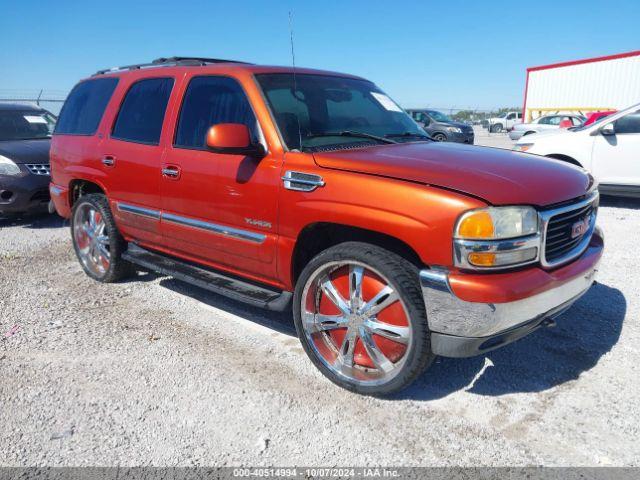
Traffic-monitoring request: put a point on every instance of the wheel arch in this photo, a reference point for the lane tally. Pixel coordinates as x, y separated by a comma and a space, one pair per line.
316, 237
80, 186
564, 158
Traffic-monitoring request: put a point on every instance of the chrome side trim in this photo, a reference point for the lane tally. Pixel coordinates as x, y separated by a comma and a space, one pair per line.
143, 212
547, 215
302, 182
215, 228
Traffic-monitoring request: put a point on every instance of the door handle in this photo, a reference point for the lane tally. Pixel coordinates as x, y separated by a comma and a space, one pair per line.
109, 160
171, 171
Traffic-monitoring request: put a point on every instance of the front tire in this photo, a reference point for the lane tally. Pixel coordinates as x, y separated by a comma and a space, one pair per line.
439, 137
97, 241
360, 316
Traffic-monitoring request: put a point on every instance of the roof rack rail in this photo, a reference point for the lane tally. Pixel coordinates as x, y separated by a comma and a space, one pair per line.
169, 61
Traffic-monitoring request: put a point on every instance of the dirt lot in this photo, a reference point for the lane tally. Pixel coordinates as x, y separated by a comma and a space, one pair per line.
155, 372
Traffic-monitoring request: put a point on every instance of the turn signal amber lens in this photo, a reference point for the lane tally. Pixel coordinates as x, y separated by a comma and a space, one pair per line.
476, 225
482, 259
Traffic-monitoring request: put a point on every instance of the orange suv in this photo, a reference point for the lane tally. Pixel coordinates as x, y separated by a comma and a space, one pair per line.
277, 186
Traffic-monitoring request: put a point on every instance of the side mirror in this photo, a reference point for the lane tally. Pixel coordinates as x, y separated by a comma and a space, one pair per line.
608, 130
232, 139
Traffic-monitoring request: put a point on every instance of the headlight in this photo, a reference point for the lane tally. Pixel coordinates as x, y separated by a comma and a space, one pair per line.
523, 147
8, 167
496, 223
454, 129
496, 237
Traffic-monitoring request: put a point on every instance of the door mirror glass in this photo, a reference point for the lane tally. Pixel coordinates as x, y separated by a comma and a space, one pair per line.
608, 129
232, 138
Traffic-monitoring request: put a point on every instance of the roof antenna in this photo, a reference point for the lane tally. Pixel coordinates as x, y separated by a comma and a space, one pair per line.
295, 84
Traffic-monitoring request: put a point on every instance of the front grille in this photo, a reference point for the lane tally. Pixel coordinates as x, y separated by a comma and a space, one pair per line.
38, 168
560, 241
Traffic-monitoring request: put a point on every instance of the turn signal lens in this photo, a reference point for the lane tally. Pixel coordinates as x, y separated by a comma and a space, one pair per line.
476, 225
502, 259
482, 259
522, 147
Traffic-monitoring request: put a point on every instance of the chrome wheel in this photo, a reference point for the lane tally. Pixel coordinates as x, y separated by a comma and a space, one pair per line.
355, 322
91, 239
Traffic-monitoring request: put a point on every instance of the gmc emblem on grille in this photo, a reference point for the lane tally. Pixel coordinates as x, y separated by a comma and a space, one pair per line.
580, 227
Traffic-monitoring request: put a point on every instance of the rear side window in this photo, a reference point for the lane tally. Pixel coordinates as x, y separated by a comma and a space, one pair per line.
142, 111
84, 107
207, 102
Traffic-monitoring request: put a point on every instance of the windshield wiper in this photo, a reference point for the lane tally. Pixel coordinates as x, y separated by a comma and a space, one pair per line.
350, 133
408, 135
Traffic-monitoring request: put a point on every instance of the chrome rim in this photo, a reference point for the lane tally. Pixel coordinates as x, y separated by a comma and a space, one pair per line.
91, 239
356, 323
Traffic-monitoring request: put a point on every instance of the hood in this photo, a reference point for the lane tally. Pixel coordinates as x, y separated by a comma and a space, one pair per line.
544, 133
500, 177
460, 125
26, 151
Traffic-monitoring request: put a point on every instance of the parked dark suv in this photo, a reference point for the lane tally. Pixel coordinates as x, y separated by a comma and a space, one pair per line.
442, 128
25, 133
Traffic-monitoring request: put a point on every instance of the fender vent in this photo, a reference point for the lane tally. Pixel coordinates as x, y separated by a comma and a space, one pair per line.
302, 182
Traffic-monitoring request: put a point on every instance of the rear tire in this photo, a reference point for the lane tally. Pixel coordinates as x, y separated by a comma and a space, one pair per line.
497, 128
360, 316
97, 241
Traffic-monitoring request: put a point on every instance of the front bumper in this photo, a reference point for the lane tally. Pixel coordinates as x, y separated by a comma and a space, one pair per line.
515, 134
464, 137
24, 193
462, 328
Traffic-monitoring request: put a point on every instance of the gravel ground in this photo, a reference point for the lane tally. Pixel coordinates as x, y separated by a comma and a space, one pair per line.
154, 372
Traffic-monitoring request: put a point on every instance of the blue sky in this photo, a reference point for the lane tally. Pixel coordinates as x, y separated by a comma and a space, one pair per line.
436, 53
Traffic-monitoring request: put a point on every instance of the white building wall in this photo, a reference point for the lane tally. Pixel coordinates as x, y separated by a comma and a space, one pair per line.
603, 84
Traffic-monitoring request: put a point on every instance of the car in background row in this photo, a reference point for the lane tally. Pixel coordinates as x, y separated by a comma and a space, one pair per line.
609, 149
25, 133
442, 128
504, 122
547, 122
595, 116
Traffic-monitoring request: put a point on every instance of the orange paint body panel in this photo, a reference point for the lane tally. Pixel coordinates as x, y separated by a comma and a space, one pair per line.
413, 192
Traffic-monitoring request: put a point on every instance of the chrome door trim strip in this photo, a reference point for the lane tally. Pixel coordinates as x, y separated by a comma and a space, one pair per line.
143, 212
215, 228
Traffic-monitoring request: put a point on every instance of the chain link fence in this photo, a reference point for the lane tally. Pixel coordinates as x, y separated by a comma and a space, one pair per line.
51, 100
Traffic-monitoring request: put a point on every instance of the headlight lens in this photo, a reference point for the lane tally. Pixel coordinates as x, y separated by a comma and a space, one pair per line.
523, 147
454, 129
497, 237
495, 223
8, 167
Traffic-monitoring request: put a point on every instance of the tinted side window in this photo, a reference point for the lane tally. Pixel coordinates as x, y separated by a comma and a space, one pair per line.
209, 101
142, 111
84, 107
629, 123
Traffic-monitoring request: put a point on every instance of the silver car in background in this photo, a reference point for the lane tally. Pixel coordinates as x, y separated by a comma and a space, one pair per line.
547, 122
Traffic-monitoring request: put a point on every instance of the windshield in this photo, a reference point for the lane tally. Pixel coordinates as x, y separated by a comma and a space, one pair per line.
321, 112
439, 116
25, 124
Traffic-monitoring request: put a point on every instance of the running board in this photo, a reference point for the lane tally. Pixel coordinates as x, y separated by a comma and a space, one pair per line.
219, 283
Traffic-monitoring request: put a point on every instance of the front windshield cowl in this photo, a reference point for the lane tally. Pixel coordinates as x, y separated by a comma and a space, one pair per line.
317, 111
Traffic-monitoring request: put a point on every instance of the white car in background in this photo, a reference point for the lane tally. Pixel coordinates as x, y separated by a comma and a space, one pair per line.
608, 148
548, 122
